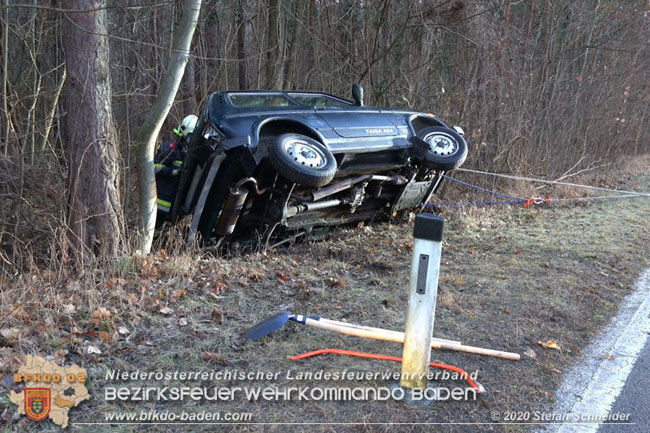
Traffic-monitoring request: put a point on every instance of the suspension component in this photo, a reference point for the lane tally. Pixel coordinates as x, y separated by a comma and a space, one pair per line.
348, 183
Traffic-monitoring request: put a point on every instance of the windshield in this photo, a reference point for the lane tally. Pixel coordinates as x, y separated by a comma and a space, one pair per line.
247, 100
318, 100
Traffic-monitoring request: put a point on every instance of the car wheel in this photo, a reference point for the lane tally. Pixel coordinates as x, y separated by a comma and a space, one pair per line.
441, 148
302, 160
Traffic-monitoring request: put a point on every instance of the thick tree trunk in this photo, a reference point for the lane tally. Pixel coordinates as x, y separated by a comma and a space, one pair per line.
145, 136
94, 209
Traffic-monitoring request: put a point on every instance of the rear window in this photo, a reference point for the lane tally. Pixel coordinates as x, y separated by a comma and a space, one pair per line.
318, 100
243, 100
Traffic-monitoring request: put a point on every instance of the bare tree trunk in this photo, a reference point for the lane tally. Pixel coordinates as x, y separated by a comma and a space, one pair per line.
190, 87
94, 210
49, 119
145, 136
293, 25
272, 45
5, 81
241, 22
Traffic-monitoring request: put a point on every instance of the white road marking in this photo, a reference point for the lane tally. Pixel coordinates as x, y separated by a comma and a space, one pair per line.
591, 387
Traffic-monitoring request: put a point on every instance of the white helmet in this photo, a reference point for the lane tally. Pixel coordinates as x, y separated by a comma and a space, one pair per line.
187, 125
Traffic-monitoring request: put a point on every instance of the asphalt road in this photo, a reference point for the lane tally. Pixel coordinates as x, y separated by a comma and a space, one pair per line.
635, 398
603, 387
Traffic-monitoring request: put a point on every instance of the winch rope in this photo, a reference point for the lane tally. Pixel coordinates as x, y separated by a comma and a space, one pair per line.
526, 202
497, 193
553, 182
476, 203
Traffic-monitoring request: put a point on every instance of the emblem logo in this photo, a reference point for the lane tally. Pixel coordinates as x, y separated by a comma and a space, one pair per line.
37, 403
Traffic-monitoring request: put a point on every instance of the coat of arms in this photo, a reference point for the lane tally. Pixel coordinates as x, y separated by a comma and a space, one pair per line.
37, 403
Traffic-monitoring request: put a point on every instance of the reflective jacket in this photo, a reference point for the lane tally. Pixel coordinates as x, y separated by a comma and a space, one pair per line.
168, 161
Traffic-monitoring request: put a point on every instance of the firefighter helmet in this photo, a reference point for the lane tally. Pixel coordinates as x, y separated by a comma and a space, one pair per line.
187, 126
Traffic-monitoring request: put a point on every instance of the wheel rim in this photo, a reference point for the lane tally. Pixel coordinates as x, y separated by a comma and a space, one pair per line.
305, 153
441, 144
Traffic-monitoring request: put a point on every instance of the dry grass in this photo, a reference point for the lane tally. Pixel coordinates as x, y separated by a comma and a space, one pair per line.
510, 277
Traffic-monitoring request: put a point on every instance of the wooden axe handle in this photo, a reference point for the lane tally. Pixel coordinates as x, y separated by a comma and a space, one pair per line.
479, 351
385, 335
370, 328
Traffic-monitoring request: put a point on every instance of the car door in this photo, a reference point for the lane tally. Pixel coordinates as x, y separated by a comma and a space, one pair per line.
358, 122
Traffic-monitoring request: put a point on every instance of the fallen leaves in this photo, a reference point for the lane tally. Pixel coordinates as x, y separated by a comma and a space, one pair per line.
254, 275
10, 333
550, 344
211, 356
114, 283
10, 336
69, 309
530, 353
179, 293
17, 312
147, 267
90, 333
99, 315
132, 298
167, 311
447, 299
217, 316
93, 350
9, 360
335, 282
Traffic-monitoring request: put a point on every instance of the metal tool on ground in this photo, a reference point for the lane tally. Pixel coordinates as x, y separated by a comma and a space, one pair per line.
276, 321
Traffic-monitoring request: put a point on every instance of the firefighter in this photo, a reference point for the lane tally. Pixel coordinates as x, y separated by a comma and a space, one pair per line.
168, 161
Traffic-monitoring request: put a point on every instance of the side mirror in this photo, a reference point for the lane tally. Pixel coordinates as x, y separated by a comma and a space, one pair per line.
459, 130
357, 94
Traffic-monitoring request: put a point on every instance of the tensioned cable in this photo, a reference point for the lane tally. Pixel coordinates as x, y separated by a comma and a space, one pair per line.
554, 182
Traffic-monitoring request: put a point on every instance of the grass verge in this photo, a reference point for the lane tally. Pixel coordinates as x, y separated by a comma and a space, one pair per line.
510, 277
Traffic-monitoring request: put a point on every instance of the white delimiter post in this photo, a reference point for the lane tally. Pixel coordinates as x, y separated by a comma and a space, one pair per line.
425, 264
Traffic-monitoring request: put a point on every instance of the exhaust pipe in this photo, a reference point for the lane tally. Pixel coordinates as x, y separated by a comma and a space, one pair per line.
306, 207
233, 206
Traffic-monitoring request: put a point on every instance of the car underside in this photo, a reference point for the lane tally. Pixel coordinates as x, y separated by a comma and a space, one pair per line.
285, 212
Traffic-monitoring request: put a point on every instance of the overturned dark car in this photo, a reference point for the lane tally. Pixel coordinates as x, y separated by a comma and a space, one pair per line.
269, 167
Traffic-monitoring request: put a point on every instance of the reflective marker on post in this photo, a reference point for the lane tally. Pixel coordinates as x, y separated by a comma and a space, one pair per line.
423, 292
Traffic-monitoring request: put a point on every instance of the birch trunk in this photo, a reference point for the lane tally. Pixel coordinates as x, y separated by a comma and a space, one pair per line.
147, 133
